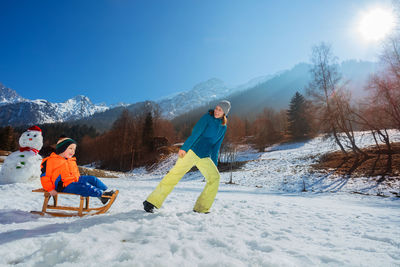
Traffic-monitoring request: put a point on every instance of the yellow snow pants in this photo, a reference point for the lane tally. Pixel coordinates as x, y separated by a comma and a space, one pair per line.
182, 166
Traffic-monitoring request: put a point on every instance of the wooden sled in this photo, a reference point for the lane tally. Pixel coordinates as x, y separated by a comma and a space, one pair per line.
82, 210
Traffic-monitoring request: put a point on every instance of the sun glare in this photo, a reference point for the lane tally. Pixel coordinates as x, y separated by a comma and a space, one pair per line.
376, 24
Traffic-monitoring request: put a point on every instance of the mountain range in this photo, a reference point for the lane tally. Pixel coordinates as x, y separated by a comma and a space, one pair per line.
16, 110
273, 91
201, 94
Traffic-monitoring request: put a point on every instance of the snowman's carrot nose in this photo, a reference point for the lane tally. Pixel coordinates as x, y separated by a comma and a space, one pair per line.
30, 139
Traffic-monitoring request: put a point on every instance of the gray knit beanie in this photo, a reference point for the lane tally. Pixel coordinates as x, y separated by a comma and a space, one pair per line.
225, 105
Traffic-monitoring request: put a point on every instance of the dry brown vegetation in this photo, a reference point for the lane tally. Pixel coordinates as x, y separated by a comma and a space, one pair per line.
98, 173
135, 140
376, 163
4, 153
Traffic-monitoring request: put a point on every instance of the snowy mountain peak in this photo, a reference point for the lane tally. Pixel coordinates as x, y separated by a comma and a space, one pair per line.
79, 98
78, 107
213, 82
211, 85
201, 94
116, 105
8, 96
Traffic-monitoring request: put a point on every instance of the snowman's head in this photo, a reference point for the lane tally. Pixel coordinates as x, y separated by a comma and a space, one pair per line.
32, 138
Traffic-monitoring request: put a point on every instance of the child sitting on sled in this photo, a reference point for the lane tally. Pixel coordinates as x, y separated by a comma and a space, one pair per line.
60, 173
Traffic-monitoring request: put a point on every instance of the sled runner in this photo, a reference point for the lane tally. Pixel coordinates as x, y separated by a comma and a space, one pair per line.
82, 210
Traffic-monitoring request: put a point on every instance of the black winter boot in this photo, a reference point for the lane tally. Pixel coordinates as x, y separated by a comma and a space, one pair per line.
207, 212
104, 199
148, 207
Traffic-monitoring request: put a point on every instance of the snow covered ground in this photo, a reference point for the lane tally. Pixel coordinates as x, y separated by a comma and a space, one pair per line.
287, 168
273, 224
247, 227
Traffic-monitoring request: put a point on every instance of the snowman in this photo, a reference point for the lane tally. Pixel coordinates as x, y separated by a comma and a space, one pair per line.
24, 165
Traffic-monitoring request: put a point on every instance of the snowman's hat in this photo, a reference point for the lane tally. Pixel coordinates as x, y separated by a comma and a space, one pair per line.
35, 128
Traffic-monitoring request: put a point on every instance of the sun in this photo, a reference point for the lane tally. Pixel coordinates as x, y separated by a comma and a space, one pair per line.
376, 24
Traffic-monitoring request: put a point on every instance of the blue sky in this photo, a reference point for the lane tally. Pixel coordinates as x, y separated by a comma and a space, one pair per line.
128, 51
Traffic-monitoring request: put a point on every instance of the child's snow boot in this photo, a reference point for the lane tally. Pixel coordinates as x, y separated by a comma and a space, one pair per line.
103, 199
148, 207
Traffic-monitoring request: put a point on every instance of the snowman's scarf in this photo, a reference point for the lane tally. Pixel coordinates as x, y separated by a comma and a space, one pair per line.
22, 149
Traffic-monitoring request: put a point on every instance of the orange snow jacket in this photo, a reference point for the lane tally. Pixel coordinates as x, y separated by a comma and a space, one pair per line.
55, 166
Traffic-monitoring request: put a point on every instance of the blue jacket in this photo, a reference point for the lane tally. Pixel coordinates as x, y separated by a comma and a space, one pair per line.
206, 138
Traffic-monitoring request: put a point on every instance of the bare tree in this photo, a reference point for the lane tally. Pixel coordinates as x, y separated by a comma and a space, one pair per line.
385, 90
236, 130
265, 130
228, 155
372, 116
345, 119
164, 128
382, 111
324, 84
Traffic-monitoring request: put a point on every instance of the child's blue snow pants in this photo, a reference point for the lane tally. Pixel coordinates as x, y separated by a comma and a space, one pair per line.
87, 186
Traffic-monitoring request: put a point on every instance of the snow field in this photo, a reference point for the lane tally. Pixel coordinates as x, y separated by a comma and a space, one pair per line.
247, 227
273, 224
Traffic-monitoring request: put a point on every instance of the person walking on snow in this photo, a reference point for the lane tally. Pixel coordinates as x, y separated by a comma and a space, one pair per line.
200, 149
60, 173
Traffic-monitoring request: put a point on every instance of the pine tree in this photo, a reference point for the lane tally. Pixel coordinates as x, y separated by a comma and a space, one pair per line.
298, 126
